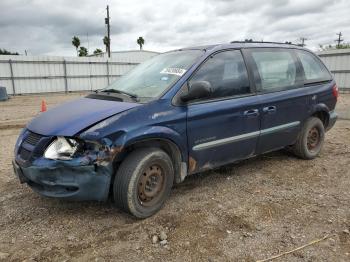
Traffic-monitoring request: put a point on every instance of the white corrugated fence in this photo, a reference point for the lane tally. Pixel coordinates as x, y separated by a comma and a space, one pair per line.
338, 62
37, 74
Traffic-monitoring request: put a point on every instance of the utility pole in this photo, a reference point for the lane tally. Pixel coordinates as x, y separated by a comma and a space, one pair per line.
303, 39
339, 40
107, 19
87, 38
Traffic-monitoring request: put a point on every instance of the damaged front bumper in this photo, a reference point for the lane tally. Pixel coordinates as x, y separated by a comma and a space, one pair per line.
70, 180
84, 175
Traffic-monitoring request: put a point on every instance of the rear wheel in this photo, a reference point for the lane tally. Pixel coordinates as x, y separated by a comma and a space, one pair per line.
310, 140
143, 182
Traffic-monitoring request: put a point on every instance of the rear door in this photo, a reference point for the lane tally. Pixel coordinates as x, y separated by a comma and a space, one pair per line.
284, 103
224, 127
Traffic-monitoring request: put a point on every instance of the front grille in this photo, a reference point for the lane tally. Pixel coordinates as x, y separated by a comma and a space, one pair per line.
32, 138
32, 146
24, 153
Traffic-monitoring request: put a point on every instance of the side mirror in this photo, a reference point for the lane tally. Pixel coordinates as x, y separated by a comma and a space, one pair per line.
197, 90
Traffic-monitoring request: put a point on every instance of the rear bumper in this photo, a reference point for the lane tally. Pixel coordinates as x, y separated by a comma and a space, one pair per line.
333, 116
86, 182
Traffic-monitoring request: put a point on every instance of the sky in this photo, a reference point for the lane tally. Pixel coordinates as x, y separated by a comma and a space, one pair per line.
45, 27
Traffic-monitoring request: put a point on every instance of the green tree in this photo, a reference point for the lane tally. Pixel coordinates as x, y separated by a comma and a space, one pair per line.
140, 41
5, 52
326, 47
106, 42
83, 51
343, 46
333, 47
76, 43
97, 51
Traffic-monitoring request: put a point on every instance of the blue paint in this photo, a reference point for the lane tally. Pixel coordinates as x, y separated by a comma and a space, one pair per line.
71, 117
116, 125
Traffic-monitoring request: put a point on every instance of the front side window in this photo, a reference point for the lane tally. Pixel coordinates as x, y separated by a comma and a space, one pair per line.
277, 69
226, 73
314, 70
150, 79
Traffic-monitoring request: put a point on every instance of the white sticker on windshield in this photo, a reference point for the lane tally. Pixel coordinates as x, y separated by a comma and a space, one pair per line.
173, 71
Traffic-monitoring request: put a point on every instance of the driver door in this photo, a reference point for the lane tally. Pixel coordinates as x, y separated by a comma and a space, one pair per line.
225, 126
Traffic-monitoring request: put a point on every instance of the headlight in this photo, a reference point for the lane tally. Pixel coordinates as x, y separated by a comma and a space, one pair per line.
62, 148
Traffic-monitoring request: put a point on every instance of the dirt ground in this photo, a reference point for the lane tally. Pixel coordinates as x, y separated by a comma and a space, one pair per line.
25, 107
244, 212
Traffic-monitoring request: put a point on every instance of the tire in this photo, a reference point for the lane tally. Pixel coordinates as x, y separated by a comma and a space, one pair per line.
310, 140
143, 182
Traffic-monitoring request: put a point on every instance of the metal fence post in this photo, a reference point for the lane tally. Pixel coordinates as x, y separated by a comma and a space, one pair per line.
65, 75
90, 76
12, 78
107, 64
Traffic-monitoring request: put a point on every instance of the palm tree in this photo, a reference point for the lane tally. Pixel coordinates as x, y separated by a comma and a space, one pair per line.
106, 42
76, 43
140, 41
97, 51
83, 51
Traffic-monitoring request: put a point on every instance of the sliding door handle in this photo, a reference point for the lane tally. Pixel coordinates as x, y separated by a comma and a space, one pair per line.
251, 112
269, 109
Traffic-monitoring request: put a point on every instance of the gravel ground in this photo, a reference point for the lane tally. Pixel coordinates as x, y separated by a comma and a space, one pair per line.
244, 212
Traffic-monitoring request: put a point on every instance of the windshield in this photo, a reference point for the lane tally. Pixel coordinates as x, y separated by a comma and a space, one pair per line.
151, 78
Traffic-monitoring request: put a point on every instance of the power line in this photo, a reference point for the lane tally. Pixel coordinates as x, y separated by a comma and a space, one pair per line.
339, 40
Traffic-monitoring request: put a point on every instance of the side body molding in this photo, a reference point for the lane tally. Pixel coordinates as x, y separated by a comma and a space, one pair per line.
244, 136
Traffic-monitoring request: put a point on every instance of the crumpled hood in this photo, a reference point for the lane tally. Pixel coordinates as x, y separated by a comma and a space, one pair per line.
71, 117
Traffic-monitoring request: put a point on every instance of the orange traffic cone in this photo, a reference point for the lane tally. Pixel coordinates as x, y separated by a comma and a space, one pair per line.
43, 106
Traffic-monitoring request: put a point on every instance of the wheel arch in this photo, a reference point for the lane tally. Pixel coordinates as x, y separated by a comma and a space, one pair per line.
168, 145
321, 111
323, 116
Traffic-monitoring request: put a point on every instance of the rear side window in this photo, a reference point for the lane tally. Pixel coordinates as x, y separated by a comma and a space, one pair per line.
277, 69
226, 73
314, 70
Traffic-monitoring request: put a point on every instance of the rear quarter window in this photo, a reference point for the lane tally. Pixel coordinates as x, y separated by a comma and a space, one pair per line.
314, 69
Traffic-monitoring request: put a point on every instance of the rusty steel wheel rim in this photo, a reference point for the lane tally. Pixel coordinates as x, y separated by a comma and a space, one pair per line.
151, 185
313, 139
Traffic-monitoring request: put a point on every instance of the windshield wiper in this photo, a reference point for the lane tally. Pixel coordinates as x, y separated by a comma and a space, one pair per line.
135, 97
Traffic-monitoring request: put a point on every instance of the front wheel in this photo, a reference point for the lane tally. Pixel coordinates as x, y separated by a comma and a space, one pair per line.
143, 182
310, 140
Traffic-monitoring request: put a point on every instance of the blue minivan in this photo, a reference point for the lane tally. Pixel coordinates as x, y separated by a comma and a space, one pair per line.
179, 113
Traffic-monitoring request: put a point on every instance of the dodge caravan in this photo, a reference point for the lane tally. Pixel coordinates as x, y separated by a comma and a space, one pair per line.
179, 113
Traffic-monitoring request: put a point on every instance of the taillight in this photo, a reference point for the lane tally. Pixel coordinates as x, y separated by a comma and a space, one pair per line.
335, 92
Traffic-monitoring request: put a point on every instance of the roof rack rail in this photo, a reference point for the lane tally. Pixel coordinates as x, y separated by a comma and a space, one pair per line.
261, 42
